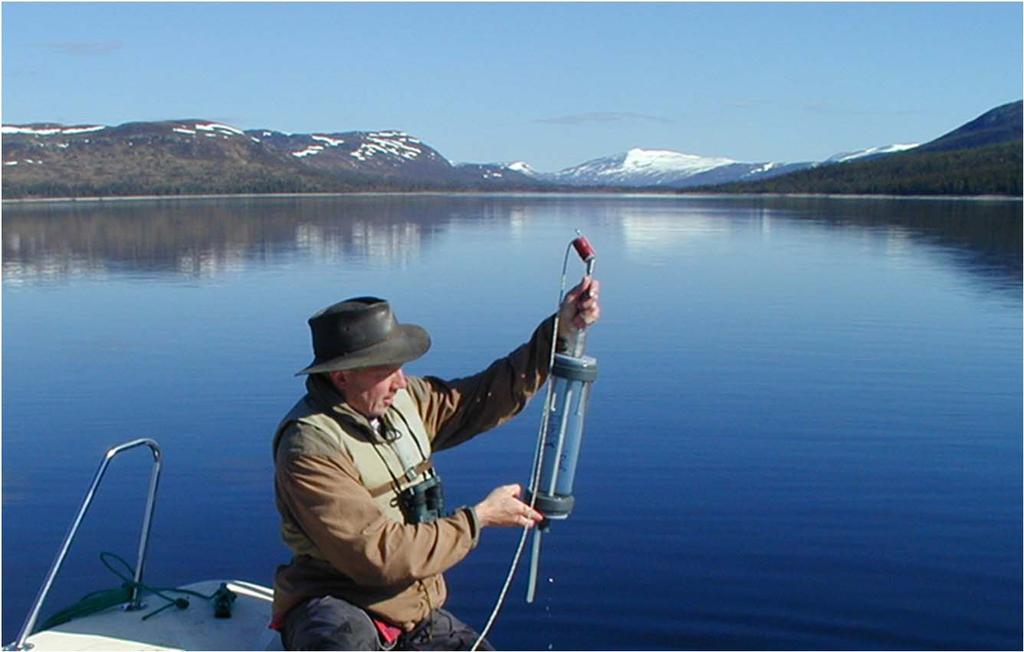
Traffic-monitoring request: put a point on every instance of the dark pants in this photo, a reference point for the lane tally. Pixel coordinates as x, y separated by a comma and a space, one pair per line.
330, 623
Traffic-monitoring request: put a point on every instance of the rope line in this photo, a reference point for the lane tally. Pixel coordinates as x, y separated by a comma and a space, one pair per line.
97, 601
538, 460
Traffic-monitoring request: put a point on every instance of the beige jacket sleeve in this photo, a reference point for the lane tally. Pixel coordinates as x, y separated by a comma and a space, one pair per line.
325, 499
457, 410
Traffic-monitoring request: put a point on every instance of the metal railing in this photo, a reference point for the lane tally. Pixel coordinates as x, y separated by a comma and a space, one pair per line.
147, 520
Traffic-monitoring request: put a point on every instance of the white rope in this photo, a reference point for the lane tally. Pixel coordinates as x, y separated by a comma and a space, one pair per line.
538, 459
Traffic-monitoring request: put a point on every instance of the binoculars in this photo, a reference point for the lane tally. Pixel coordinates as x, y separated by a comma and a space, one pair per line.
423, 502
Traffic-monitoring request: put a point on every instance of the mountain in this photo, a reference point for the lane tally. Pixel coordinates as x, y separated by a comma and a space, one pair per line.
744, 172
168, 157
517, 175
1002, 124
981, 157
869, 153
640, 168
637, 167
387, 154
195, 156
643, 168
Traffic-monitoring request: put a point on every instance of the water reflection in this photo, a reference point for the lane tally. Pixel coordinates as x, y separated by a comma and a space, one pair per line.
206, 238
645, 232
987, 234
983, 236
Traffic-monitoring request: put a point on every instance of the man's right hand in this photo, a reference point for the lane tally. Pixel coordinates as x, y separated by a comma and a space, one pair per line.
502, 508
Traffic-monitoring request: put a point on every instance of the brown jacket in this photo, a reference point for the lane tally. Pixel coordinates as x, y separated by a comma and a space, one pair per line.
391, 569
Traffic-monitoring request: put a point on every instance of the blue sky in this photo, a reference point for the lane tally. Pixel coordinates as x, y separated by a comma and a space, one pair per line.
550, 84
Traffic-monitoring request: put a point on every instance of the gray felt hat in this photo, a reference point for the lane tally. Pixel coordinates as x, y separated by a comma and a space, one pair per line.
362, 332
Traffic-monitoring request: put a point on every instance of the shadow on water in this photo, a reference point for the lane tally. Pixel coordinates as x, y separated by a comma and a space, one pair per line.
204, 237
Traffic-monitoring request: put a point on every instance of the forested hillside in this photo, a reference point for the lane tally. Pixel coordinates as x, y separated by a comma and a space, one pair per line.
991, 170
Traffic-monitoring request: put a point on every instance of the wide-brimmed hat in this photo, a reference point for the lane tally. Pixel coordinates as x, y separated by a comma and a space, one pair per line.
362, 332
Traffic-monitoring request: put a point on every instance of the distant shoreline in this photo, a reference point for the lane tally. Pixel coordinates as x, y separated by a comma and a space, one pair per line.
148, 198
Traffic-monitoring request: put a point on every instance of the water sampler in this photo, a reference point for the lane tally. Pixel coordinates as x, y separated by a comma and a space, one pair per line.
561, 431
558, 442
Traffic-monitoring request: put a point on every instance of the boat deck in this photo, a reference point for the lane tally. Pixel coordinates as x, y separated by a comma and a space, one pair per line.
194, 628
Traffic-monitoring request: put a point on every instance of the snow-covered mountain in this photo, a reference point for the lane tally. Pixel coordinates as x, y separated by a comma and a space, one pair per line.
522, 167
638, 167
870, 152
512, 175
645, 168
384, 153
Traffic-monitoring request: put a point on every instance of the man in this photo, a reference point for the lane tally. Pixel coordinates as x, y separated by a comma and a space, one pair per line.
360, 502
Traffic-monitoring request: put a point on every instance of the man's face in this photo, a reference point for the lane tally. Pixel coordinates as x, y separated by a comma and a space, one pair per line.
370, 391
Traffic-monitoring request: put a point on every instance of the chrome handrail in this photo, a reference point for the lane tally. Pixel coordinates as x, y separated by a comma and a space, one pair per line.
147, 521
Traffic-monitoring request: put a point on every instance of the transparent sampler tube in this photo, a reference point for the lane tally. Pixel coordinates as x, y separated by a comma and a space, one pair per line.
571, 380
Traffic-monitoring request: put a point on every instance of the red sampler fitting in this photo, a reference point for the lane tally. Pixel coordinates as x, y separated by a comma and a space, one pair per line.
584, 248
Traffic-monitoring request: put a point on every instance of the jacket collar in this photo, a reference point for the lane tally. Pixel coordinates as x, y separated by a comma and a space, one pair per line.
330, 401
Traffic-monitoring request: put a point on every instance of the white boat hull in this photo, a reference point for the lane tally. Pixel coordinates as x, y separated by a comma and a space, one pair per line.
194, 628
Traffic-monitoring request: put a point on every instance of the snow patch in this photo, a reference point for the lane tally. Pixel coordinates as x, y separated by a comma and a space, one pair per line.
49, 131
333, 142
215, 126
393, 143
82, 130
309, 151
521, 167
763, 168
183, 130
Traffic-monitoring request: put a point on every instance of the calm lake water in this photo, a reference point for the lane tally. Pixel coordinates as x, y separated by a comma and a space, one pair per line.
806, 432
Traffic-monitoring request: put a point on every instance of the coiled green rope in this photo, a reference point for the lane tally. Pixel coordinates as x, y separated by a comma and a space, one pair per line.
104, 599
